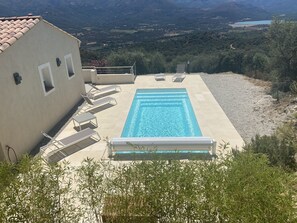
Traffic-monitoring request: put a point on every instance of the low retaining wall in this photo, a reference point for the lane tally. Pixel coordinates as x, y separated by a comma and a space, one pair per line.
114, 79
87, 74
90, 75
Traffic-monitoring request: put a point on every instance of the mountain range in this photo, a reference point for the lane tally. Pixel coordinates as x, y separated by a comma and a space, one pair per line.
73, 15
273, 6
108, 13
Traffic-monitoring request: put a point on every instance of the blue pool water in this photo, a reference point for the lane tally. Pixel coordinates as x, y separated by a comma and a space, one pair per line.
161, 113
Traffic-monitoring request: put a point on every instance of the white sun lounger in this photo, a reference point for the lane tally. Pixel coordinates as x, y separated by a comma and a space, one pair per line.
178, 144
178, 77
180, 73
95, 91
71, 140
160, 77
91, 104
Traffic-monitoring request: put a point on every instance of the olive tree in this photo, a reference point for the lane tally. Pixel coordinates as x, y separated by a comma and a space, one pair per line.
282, 37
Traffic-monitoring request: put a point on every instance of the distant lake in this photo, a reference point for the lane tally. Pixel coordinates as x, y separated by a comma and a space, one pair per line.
253, 23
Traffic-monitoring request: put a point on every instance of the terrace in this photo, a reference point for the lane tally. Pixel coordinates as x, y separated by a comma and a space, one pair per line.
111, 119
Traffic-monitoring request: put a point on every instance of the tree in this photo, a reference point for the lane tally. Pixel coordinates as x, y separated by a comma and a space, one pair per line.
156, 63
283, 47
128, 58
259, 62
231, 61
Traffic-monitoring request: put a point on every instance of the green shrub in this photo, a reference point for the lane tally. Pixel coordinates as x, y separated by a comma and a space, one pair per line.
231, 61
39, 193
256, 65
204, 63
8, 173
243, 189
288, 133
91, 188
260, 62
125, 58
156, 63
246, 201
146, 63
293, 87
281, 85
279, 151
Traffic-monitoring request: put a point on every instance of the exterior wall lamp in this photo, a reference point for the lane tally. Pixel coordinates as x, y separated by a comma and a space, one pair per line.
58, 61
17, 78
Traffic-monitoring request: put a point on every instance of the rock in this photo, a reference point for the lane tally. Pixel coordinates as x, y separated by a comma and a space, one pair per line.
256, 108
293, 101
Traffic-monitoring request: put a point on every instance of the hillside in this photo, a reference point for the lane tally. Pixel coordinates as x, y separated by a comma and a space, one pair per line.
112, 13
101, 24
233, 10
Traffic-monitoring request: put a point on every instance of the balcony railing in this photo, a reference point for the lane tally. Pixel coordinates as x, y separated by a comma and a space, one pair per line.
109, 75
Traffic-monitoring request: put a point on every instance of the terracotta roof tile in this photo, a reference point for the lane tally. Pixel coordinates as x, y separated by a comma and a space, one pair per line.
30, 25
4, 40
24, 30
2, 35
17, 30
18, 35
4, 30
17, 24
13, 28
4, 46
11, 40
35, 21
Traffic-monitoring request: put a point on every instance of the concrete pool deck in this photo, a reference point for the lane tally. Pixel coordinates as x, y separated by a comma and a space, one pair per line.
212, 120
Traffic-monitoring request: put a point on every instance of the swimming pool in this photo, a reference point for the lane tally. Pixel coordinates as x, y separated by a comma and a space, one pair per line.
161, 113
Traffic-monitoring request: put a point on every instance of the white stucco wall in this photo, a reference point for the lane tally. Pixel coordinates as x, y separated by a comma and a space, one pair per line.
112, 78
87, 74
25, 111
90, 75
2, 157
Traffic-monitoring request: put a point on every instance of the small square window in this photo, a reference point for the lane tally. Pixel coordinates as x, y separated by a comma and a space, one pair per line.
46, 78
69, 65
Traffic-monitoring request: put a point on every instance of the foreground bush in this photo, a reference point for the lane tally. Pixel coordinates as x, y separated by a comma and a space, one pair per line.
244, 188
39, 193
280, 148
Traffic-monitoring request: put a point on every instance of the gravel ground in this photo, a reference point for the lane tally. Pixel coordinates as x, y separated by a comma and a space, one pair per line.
248, 106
